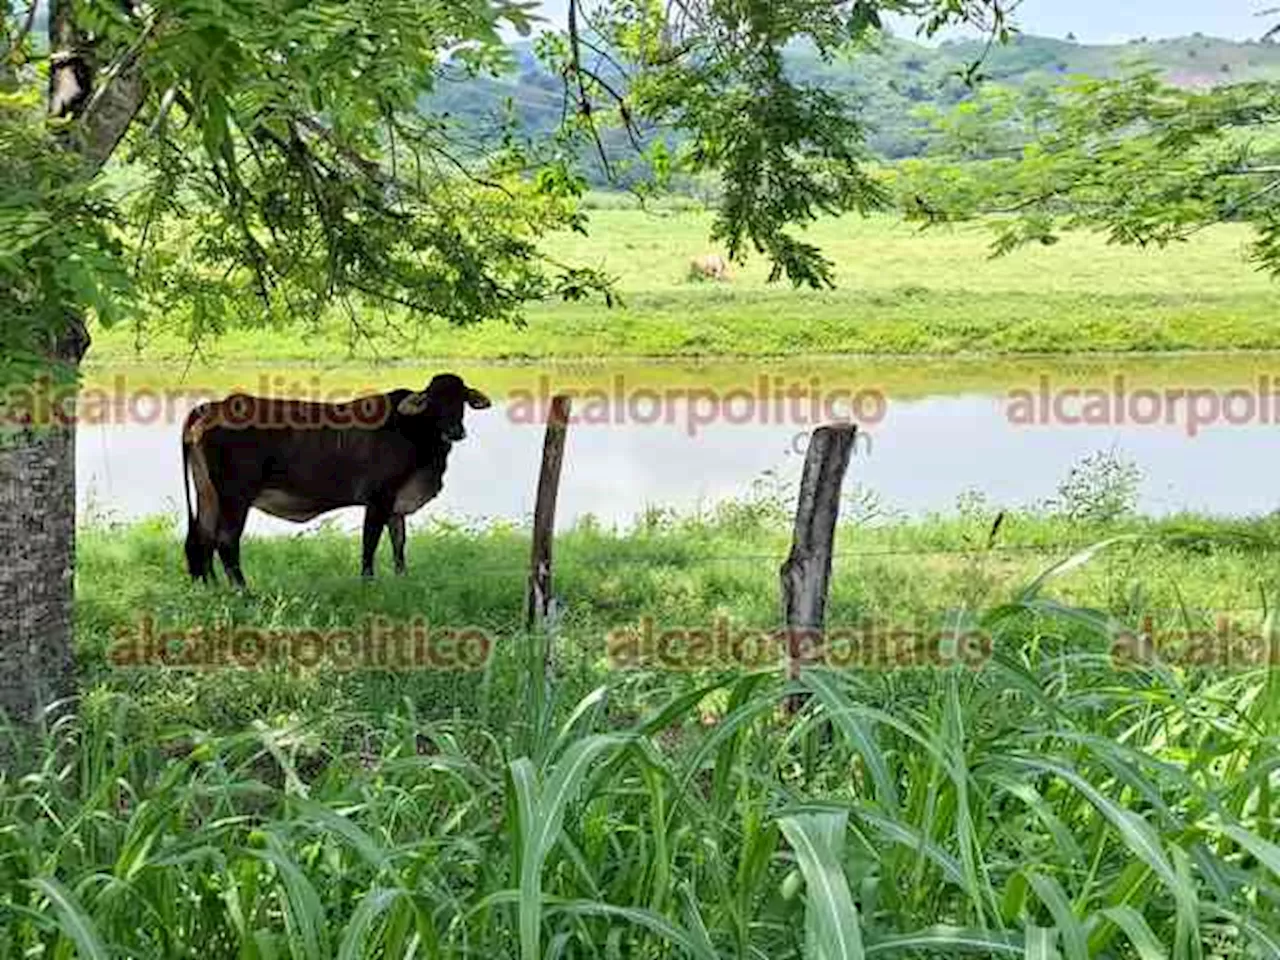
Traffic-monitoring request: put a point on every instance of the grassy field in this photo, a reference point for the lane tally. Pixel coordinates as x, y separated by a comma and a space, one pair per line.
1045, 801
899, 292
678, 570
590, 794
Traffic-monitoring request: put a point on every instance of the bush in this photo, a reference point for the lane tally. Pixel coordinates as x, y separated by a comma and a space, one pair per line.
1100, 489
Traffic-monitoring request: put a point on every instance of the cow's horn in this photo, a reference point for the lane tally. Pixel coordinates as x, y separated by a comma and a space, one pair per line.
413, 404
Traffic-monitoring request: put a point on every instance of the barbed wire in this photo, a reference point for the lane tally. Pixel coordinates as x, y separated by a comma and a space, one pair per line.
567, 561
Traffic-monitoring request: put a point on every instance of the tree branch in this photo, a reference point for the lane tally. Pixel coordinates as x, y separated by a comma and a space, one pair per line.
584, 103
27, 23
633, 132
103, 117
1234, 208
125, 62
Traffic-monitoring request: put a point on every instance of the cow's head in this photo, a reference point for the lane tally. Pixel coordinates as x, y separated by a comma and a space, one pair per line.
444, 401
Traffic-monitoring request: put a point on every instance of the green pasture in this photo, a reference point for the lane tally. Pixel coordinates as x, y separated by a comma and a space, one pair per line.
899, 292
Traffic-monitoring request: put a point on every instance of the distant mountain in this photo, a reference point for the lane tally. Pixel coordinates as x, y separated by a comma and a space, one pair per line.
901, 76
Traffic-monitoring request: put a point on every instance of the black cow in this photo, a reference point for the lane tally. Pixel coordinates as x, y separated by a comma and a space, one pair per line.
297, 460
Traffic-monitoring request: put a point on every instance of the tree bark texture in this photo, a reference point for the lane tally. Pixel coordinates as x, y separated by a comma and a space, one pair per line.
807, 571
37, 466
37, 538
37, 530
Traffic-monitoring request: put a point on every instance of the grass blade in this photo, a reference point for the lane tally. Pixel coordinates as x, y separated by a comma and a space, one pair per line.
1267, 853
950, 940
304, 915
1042, 943
524, 779
373, 906
832, 927
693, 945
1055, 899
541, 814
1138, 931
857, 732
1031, 590
73, 921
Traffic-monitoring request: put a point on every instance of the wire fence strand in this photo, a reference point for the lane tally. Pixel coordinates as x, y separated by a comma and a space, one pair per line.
567, 559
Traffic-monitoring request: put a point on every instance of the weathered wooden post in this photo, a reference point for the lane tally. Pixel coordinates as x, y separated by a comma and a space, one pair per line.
539, 606
807, 571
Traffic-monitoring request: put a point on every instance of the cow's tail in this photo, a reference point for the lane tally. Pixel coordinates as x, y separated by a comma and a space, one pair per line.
202, 523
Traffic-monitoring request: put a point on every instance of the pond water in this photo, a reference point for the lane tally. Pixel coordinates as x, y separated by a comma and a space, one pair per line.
1008, 434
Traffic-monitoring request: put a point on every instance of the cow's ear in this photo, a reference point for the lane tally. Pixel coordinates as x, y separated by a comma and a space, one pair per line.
477, 400
413, 404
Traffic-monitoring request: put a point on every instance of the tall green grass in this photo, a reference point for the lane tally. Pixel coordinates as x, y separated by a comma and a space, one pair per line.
1050, 804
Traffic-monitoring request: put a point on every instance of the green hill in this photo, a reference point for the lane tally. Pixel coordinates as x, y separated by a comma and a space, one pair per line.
891, 83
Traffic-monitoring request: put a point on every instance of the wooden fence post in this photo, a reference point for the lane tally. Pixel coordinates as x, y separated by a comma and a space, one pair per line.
807, 571
538, 609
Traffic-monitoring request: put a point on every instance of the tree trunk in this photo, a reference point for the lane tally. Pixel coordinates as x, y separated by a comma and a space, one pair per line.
38, 465
37, 531
37, 542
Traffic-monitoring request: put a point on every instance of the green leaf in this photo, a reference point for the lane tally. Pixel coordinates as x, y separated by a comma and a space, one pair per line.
73, 921
948, 940
694, 944
1042, 943
832, 928
1138, 931
857, 732
372, 906
1267, 853
540, 812
304, 913
1051, 894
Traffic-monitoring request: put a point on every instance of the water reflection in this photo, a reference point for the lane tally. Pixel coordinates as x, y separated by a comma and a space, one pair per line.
932, 441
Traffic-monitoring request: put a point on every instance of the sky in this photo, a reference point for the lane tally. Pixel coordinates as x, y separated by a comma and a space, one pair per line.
1115, 21
1111, 21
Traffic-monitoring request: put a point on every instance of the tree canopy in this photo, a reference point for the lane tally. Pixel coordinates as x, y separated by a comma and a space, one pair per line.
1146, 162
895, 83
211, 163
271, 161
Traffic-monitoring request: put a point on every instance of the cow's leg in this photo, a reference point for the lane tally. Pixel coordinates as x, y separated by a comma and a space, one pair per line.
376, 516
396, 526
200, 553
208, 552
231, 526
202, 524
207, 549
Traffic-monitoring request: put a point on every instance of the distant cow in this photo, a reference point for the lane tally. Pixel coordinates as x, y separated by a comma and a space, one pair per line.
297, 460
709, 267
